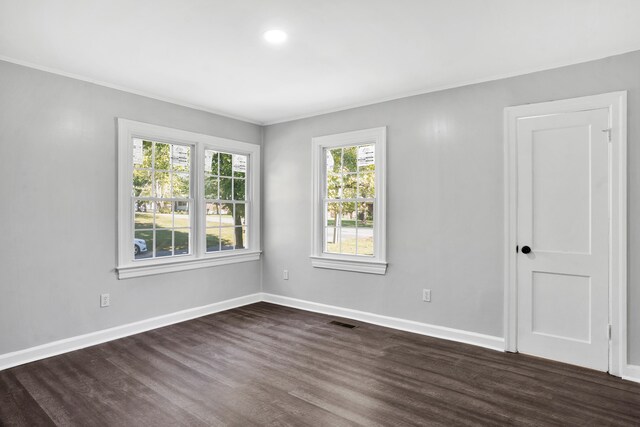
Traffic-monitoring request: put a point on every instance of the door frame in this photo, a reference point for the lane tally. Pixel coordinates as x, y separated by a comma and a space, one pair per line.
616, 102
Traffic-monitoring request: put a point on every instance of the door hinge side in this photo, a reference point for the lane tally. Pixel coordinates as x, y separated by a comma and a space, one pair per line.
608, 131
609, 332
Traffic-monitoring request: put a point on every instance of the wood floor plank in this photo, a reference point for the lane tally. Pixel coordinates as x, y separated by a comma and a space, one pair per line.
266, 364
17, 406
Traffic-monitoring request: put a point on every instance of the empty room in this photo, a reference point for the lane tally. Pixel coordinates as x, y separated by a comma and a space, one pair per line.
319, 213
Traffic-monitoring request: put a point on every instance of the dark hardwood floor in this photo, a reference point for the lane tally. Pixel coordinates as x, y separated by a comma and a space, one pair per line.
265, 364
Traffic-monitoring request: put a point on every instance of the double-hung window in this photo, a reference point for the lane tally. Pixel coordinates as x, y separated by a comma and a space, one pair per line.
349, 201
186, 200
225, 200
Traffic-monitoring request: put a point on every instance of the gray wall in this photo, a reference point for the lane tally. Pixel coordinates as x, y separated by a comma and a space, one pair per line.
445, 199
58, 192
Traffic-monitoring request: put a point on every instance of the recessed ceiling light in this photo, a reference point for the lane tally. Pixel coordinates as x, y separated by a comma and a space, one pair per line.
275, 36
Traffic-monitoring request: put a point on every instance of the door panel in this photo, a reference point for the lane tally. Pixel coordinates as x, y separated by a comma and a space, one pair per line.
557, 294
563, 216
560, 192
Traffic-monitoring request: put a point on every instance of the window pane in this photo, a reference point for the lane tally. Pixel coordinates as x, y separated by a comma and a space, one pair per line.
367, 185
181, 241
239, 165
141, 183
143, 244
162, 185
227, 235
241, 237
332, 240
225, 164
211, 162
365, 241
225, 188
164, 214
334, 160
365, 215
350, 159
164, 243
366, 158
238, 189
226, 214
349, 186
365, 228
213, 215
211, 187
180, 158
143, 215
331, 214
162, 159
348, 217
181, 214
333, 186
213, 239
348, 240
180, 185
147, 152
239, 217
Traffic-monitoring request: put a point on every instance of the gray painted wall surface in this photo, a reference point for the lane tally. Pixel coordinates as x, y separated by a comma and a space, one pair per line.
58, 243
445, 199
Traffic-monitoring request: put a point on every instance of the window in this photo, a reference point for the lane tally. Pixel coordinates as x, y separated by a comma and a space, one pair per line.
186, 200
349, 201
225, 200
161, 195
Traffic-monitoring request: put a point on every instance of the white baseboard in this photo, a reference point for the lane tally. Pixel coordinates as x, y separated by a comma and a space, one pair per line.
54, 348
9, 360
487, 341
631, 373
20, 357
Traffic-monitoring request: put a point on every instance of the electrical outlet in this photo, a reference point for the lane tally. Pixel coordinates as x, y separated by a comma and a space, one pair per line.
105, 300
426, 295
285, 274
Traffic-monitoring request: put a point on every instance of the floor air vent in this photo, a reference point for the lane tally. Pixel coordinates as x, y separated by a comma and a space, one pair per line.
344, 325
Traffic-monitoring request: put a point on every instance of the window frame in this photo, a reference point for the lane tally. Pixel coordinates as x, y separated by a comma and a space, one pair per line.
376, 264
127, 266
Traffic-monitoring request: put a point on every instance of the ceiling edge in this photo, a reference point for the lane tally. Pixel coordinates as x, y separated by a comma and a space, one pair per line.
126, 89
320, 112
452, 86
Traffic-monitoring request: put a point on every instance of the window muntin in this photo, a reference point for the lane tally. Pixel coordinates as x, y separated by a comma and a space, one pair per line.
226, 201
349, 200
161, 199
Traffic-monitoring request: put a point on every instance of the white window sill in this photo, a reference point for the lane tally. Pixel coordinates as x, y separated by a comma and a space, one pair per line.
349, 264
133, 270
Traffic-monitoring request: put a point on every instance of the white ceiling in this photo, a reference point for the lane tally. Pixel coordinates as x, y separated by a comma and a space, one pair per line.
209, 54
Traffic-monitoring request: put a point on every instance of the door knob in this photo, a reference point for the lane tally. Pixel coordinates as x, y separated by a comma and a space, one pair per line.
526, 249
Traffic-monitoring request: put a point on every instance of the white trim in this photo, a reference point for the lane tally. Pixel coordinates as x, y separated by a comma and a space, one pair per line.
458, 335
631, 373
357, 265
54, 348
617, 104
170, 267
20, 357
127, 89
127, 266
376, 264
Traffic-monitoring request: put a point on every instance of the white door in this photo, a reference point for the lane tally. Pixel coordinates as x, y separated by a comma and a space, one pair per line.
563, 237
